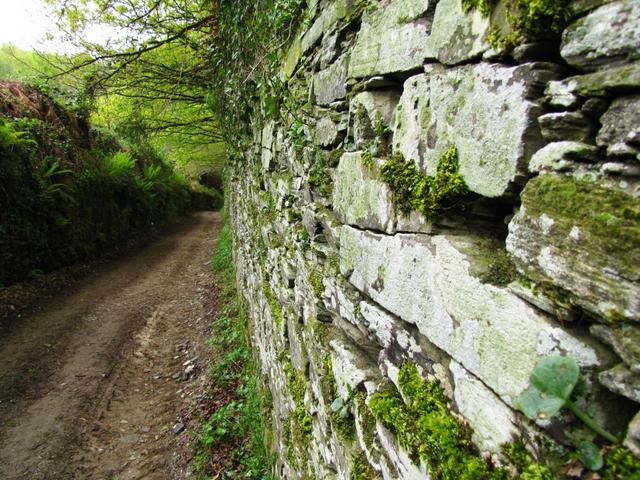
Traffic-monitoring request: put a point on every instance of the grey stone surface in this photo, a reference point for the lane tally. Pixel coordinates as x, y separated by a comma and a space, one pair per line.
566, 126
608, 35
557, 247
458, 106
369, 112
622, 381
620, 131
632, 440
329, 85
425, 281
493, 422
625, 341
359, 197
457, 37
327, 132
559, 156
393, 38
565, 93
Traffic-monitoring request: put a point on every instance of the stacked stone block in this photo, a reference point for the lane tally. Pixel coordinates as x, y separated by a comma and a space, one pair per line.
541, 257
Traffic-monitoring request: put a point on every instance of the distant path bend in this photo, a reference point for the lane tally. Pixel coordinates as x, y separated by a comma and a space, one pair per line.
91, 384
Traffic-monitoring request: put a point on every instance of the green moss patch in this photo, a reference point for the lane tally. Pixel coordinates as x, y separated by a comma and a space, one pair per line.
608, 218
413, 190
427, 429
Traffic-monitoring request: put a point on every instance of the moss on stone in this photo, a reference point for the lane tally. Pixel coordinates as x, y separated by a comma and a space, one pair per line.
501, 271
608, 218
360, 468
621, 464
413, 190
301, 421
315, 279
367, 420
274, 305
528, 19
344, 427
485, 7
427, 429
319, 176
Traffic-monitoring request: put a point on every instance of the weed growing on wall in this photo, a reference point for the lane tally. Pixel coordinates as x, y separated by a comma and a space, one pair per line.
234, 427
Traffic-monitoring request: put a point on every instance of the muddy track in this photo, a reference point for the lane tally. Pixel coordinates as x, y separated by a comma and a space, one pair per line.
93, 383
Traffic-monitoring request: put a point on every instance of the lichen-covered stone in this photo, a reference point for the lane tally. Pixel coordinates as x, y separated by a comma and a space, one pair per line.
625, 341
456, 36
393, 38
608, 35
350, 368
359, 197
426, 281
632, 440
326, 132
598, 84
559, 156
620, 131
457, 107
584, 239
623, 381
329, 85
493, 422
371, 114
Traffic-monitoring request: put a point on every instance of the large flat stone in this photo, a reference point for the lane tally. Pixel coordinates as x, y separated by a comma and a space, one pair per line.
426, 281
608, 35
393, 38
457, 37
481, 109
493, 422
329, 84
574, 235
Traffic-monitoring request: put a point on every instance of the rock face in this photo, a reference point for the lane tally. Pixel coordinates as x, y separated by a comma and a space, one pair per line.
620, 131
457, 37
514, 235
457, 106
393, 38
572, 233
610, 35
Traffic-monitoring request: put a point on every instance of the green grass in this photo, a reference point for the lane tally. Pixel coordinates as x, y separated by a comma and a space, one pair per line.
236, 425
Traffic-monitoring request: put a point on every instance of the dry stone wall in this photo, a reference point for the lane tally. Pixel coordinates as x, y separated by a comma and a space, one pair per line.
397, 333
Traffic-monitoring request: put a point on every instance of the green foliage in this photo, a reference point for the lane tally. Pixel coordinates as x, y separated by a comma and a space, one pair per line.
67, 192
246, 55
427, 429
236, 427
528, 20
485, 7
552, 382
120, 163
360, 469
413, 190
621, 464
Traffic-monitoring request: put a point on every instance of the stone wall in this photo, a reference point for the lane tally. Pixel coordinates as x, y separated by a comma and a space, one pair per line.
400, 308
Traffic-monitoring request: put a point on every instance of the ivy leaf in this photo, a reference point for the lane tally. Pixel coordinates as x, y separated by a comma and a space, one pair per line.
552, 381
589, 454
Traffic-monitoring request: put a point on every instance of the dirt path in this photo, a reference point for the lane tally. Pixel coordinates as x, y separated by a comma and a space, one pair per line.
93, 384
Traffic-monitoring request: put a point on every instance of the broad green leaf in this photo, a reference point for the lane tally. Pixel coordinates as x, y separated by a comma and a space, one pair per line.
538, 405
556, 376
